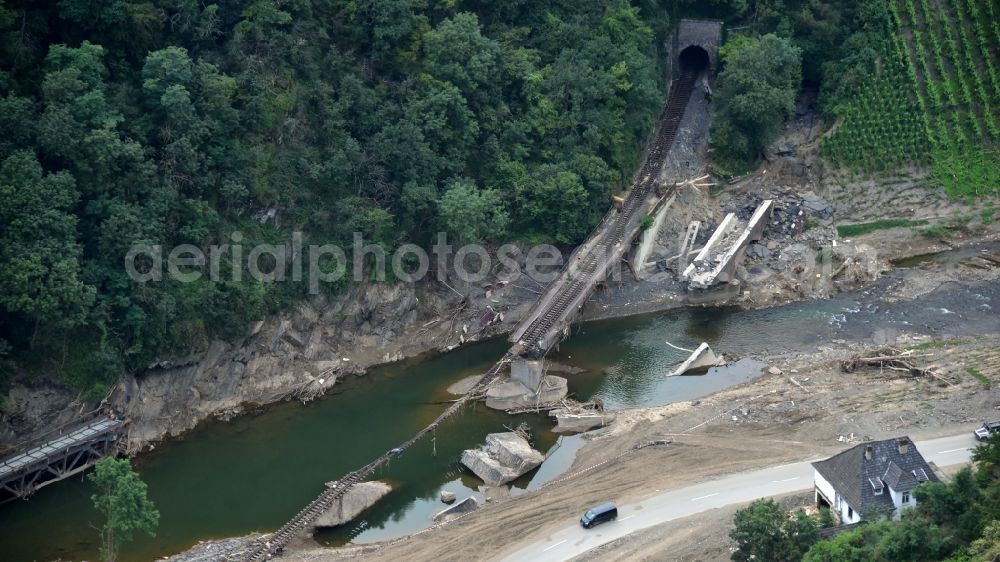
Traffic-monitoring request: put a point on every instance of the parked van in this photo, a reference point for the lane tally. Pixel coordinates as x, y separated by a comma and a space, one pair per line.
600, 514
988, 428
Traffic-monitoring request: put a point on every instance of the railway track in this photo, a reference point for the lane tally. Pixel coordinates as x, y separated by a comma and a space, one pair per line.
612, 237
611, 234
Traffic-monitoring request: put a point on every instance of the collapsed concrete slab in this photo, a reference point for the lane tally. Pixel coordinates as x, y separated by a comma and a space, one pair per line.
577, 421
701, 358
648, 237
503, 458
513, 394
359, 498
716, 262
467, 505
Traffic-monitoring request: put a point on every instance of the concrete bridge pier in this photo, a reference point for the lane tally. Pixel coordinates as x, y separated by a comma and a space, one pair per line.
528, 386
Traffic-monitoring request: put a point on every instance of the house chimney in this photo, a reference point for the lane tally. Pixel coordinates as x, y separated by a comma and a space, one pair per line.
904, 446
868, 453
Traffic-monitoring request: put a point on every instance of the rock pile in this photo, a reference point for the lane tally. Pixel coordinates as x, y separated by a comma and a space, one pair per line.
503, 458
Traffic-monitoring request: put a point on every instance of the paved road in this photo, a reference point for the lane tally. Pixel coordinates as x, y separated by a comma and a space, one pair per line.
572, 540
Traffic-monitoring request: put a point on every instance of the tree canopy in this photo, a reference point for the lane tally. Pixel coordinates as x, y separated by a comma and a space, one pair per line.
121, 499
164, 122
757, 89
763, 531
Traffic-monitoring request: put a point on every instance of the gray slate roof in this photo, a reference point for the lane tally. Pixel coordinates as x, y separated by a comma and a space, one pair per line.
850, 473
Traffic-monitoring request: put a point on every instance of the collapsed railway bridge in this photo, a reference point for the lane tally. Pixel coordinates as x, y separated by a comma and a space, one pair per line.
696, 44
62, 453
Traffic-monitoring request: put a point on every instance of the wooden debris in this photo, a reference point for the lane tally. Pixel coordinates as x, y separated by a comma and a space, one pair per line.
893, 359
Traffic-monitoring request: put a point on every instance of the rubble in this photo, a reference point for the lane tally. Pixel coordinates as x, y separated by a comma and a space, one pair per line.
716, 262
576, 418
701, 358
504, 457
357, 499
467, 505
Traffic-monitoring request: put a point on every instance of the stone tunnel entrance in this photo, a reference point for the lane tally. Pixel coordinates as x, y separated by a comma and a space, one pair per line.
696, 46
694, 59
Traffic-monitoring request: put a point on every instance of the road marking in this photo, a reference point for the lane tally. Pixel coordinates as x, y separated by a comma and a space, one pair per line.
786, 479
626, 518
954, 450
703, 497
555, 545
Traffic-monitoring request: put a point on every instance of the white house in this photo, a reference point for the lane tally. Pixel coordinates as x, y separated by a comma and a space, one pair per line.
872, 475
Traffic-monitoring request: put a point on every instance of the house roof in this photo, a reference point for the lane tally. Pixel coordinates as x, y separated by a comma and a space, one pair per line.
852, 475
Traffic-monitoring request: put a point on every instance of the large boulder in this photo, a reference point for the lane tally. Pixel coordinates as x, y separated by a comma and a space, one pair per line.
503, 458
359, 498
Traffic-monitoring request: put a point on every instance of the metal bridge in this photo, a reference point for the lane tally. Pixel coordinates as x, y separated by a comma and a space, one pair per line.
71, 451
554, 310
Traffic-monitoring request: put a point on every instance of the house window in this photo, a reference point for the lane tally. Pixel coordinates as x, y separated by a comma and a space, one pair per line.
906, 497
877, 486
850, 513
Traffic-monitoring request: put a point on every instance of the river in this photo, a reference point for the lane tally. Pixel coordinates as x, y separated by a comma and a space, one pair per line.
253, 473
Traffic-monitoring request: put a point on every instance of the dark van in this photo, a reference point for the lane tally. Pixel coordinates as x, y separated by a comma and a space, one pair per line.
600, 514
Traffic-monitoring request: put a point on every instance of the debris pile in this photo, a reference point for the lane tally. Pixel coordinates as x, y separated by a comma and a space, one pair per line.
574, 417
895, 360
701, 358
505, 457
467, 505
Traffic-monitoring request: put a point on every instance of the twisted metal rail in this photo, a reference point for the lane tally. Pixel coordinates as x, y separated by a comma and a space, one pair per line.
612, 234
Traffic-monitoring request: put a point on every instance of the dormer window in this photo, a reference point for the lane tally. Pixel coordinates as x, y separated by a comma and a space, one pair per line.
877, 486
920, 474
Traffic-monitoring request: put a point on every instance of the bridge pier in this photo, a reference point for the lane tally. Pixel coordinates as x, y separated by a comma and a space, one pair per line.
528, 386
527, 372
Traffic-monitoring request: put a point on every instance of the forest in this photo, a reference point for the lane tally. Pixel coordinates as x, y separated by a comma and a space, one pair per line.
170, 122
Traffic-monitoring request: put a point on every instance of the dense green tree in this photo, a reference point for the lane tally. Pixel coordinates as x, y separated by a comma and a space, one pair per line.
455, 51
121, 499
850, 546
40, 278
757, 89
987, 547
763, 531
472, 214
954, 504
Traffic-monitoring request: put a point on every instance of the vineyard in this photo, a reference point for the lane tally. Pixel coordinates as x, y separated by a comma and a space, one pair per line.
935, 99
